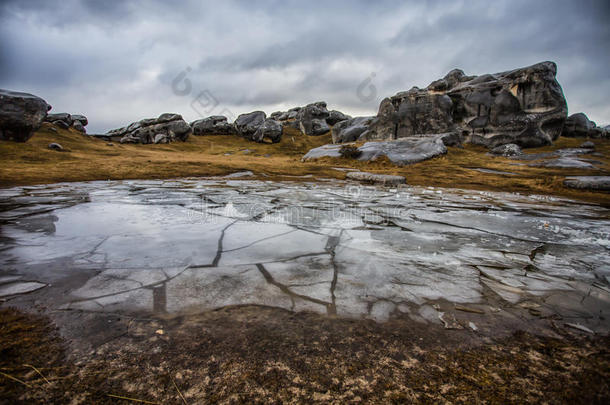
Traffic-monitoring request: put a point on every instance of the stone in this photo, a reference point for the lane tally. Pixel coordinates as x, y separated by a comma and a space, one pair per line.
269, 132
595, 183
55, 146
384, 179
335, 117
161, 138
351, 129
579, 126
507, 150
564, 163
144, 131
20, 115
76, 124
214, 125
312, 119
587, 145
83, 120
64, 117
524, 106
247, 124
400, 152
404, 151
61, 124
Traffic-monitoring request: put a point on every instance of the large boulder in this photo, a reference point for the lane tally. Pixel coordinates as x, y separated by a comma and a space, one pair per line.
63, 119
247, 124
312, 119
335, 117
214, 125
145, 131
269, 132
579, 125
81, 118
523, 106
351, 129
401, 152
20, 115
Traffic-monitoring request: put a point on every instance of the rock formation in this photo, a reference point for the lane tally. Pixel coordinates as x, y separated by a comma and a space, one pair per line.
579, 125
20, 115
247, 124
351, 129
214, 125
146, 131
65, 121
523, 106
269, 132
313, 119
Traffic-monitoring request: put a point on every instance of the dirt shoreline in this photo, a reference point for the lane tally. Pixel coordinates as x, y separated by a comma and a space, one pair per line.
252, 354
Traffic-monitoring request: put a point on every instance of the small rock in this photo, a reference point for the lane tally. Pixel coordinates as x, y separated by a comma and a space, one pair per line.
595, 183
587, 145
55, 146
510, 149
385, 179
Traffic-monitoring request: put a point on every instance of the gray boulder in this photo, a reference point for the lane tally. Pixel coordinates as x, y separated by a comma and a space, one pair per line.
384, 179
247, 124
214, 125
76, 124
55, 146
61, 124
312, 119
83, 120
145, 131
400, 152
587, 145
161, 138
593, 183
579, 126
351, 129
510, 149
335, 116
269, 132
523, 106
20, 115
63, 117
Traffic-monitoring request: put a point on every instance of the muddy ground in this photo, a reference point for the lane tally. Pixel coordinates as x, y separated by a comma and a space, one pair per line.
253, 354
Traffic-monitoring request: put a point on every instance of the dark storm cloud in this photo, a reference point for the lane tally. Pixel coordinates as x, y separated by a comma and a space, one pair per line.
118, 61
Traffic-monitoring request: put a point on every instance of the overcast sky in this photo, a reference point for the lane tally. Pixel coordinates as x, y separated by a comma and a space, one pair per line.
120, 61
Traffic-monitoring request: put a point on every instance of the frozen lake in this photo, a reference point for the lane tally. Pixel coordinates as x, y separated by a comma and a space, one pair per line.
331, 247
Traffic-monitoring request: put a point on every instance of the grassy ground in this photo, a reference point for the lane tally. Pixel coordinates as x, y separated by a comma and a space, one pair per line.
92, 159
264, 355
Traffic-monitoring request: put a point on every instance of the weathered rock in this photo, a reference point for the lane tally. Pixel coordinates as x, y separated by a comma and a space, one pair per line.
214, 125
161, 138
579, 125
335, 117
404, 151
351, 129
20, 115
61, 124
565, 163
247, 124
145, 131
510, 149
55, 146
587, 145
76, 124
385, 179
524, 106
83, 120
595, 183
64, 117
312, 119
400, 152
269, 132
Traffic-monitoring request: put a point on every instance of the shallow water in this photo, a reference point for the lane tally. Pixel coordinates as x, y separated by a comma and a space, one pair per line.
330, 247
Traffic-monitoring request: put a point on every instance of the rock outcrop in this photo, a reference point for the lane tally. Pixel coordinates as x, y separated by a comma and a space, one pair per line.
247, 124
20, 115
146, 131
351, 129
214, 125
523, 106
579, 125
269, 132
594, 183
65, 121
313, 119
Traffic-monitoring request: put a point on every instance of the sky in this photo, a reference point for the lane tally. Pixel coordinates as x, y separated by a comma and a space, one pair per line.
120, 61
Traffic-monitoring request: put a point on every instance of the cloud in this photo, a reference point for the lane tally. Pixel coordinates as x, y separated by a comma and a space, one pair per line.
115, 61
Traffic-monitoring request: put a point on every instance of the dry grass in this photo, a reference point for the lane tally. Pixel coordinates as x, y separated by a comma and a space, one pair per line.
92, 159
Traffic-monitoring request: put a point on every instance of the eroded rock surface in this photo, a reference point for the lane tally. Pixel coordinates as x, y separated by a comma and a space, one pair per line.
579, 125
214, 125
595, 183
384, 179
145, 131
523, 106
20, 115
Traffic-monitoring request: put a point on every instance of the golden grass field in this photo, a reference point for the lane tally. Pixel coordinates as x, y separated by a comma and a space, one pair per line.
86, 158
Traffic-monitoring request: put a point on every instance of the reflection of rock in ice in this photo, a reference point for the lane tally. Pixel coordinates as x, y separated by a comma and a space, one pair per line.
305, 246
